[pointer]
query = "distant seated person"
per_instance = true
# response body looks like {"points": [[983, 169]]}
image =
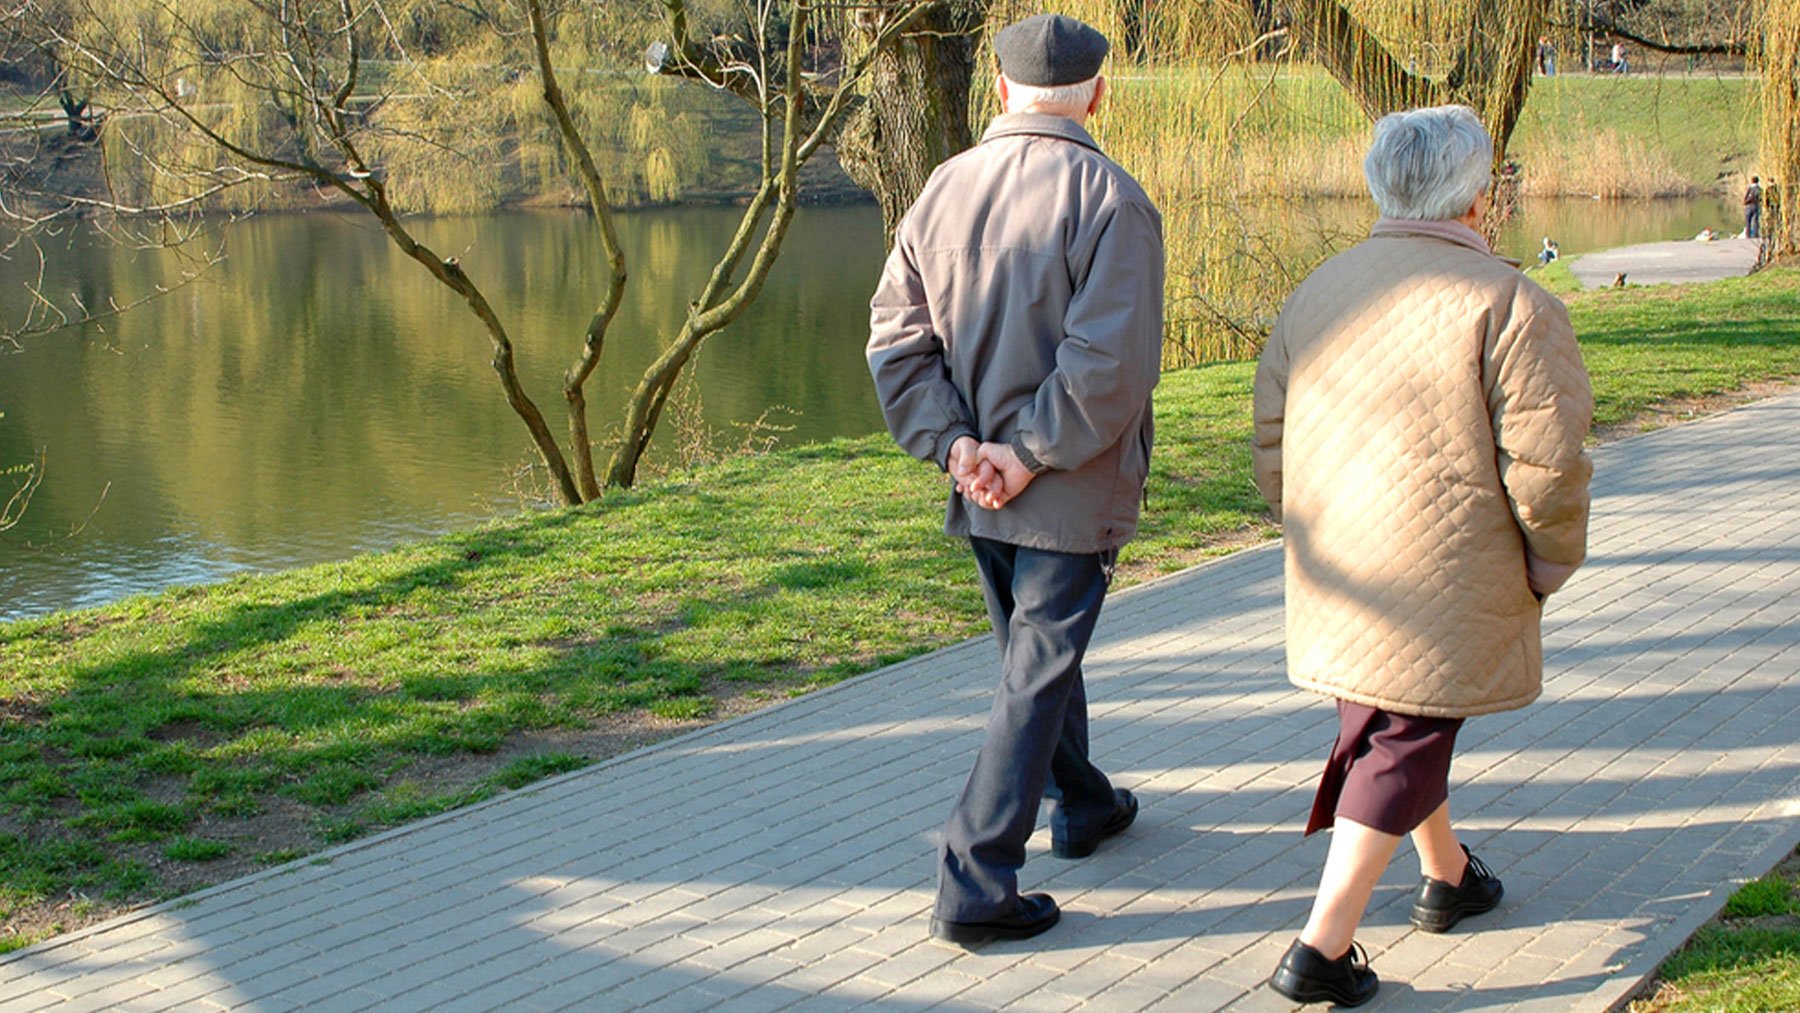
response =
{"points": [[1706, 236], [1550, 252]]}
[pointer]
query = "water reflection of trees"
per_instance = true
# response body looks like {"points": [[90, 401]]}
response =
{"points": [[291, 389]]}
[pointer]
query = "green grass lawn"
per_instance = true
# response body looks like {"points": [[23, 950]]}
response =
{"points": [[1747, 959], [171, 740], [1654, 344]]}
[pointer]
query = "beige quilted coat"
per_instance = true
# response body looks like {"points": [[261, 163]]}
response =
{"points": [[1420, 411]]}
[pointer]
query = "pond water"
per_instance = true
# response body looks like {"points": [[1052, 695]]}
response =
{"points": [[315, 395]]}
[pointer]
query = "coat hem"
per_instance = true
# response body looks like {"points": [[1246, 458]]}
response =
{"points": [[1415, 709], [1039, 541]]}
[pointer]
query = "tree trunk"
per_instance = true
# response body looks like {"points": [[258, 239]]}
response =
{"points": [[1491, 74], [916, 112], [1375, 79], [1134, 42], [1493, 71], [575, 378], [81, 125]]}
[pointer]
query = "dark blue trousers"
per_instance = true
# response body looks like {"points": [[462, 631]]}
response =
{"points": [[1043, 606]]}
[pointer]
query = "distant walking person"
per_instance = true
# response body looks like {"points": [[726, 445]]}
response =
{"points": [[1419, 414], [1546, 56], [1618, 58], [1015, 339], [1753, 205]]}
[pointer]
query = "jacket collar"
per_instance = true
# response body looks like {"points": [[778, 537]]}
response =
{"points": [[1039, 124], [1449, 231]]}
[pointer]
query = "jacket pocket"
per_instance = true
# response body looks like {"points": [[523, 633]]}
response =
{"points": [[1132, 467]]}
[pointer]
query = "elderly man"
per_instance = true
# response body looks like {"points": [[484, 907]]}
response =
{"points": [[1420, 410], [1015, 338]]}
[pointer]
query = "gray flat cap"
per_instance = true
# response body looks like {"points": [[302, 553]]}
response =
{"points": [[1049, 50]]}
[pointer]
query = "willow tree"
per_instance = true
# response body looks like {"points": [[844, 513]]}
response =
{"points": [[337, 96], [1482, 53], [1778, 48]]}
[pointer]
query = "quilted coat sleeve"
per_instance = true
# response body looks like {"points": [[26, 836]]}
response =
{"points": [[1542, 407], [1110, 356], [1269, 406], [924, 410]]}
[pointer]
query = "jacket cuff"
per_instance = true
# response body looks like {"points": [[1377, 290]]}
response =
{"points": [[1544, 576], [949, 440], [1026, 457]]}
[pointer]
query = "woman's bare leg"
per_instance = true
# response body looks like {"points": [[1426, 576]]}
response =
{"points": [[1353, 866], [1440, 853]]}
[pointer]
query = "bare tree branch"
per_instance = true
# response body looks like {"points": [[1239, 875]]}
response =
{"points": [[1610, 25], [594, 340]]}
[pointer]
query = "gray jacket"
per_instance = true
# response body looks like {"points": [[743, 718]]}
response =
{"points": [[1023, 303]]}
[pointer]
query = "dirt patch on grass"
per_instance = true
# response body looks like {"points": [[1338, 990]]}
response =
{"points": [[1687, 409], [1136, 568], [20, 710]]}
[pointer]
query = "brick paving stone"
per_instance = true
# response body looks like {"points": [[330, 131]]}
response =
{"points": [[1045, 1000], [1202, 996], [785, 859], [1011, 985]]}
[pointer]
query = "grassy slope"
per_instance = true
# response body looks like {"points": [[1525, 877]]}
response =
{"points": [[1653, 344], [267, 716], [1703, 126]]}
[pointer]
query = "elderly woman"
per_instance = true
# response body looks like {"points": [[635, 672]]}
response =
{"points": [[1420, 411]]}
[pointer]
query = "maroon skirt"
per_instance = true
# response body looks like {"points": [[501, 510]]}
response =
{"points": [[1387, 771]]}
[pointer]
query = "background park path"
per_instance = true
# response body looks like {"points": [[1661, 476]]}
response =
{"points": [[1672, 262], [784, 859]]}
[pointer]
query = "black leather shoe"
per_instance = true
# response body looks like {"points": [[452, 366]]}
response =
{"points": [[1035, 914], [1122, 817], [1305, 975], [1439, 905]]}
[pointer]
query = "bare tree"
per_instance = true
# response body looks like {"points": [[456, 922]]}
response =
{"points": [[291, 97]]}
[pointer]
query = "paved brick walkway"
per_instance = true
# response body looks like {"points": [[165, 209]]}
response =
{"points": [[784, 859]]}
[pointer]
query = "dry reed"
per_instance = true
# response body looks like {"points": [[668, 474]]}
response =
{"points": [[1604, 164]]}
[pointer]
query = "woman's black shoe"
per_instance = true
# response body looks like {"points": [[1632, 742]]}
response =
{"points": [[1440, 905], [1036, 913], [1305, 975]]}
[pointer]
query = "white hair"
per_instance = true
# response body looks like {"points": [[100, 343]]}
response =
{"points": [[1054, 98], [1429, 164]]}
